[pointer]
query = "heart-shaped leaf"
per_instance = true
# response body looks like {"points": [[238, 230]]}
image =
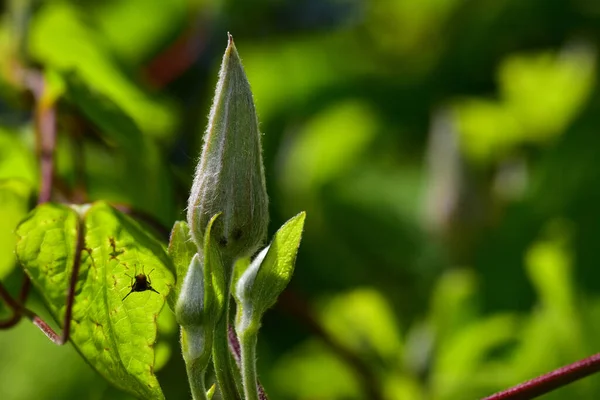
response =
{"points": [[115, 336]]}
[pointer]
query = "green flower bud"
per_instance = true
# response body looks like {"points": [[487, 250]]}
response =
{"points": [[190, 311], [230, 175], [190, 304]]}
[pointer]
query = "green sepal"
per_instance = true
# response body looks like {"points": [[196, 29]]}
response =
{"points": [[214, 272], [268, 274], [181, 250]]}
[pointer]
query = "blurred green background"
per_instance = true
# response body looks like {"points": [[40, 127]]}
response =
{"points": [[446, 153]]}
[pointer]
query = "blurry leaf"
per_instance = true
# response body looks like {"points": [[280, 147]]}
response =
{"points": [[546, 91], [311, 371], [181, 250], [14, 204], [104, 113], [398, 387], [541, 94], [61, 39], [167, 329], [32, 367], [453, 303], [549, 264], [327, 146], [116, 337], [17, 160], [462, 358], [311, 64], [145, 30], [162, 354], [133, 175], [364, 322], [402, 27], [487, 130]]}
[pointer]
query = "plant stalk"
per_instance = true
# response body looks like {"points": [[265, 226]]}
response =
{"points": [[248, 342], [196, 380], [551, 381], [222, 359]]}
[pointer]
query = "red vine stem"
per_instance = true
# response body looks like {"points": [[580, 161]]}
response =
{"points": [[550, 381]]}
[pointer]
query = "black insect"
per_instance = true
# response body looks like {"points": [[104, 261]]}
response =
{"points": [[140, 283]]}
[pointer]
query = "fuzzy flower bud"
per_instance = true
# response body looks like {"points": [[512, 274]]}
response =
{"points": [[194, 318], [230, 175]]}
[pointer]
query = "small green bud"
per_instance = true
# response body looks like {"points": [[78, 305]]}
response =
{"points": [[230, 176], [189, 309], [196, 329]]}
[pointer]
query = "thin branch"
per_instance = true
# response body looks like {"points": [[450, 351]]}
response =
{"points": [[8, 299], [45, 123], [550, 381], [25, 286], [12, 321]]}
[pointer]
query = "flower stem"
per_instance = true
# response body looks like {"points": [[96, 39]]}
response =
{"points": [[196, 380], [248, 345], [222, 360]]}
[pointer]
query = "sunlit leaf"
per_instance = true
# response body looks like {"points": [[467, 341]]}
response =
{"points": [[61, 40], [328, 144], [145, 30], [104, 113], [115, 336], [466, 353], [363, 321], [311, 371], [17, 160], [545, 91]]}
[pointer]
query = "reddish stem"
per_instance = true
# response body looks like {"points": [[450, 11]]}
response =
{"points": [[550, 381], [45, 122]]}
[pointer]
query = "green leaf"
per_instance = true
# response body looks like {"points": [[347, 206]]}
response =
{"points": [[103, 112], [14, 198], [363, 321], [59, 39], [181, 250], [145, 30], [17, 156], [115, 336], [268, 274]]}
